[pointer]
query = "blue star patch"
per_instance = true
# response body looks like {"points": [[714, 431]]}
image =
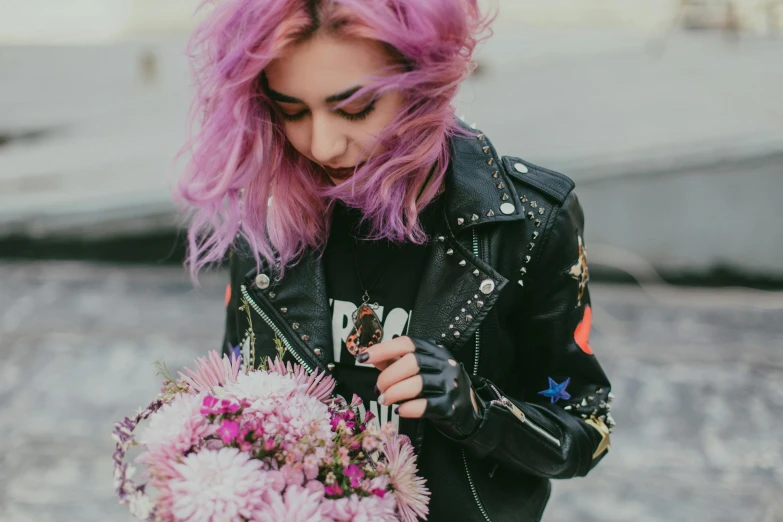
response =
{"points": [[235, 351], [556, 391]]}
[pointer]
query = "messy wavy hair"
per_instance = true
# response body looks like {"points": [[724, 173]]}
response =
{"points": [[244, 179]]}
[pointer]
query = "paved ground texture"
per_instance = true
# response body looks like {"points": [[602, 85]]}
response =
{"points": [[698, 376]]}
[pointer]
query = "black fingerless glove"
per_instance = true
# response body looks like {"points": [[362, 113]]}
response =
{"points": [[447, 388]]}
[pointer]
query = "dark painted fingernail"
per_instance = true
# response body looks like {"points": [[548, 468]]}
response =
{"points": [[397, 410], [363, 357]]}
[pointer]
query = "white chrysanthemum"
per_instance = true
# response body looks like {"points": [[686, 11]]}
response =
{"points": [[218, 486], [177, 426], [259, 386]]}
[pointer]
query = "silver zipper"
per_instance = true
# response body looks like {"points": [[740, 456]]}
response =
{"points": [[473, 489], [519, 414], [475, 372], [478, 330], [275, 329]]}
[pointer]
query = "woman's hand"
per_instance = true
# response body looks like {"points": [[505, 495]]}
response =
{"points": [[426, 381]]}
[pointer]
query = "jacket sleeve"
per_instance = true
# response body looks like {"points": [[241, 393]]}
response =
{"points": [[557, 425]]}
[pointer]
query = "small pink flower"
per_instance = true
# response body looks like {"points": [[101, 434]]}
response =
{"points": [[369, 443], [228, 431], [269, 444], [378, 492], [208, 405], [228, 406], [310, 467], [333, 490], [354, 473], [343, 457]]}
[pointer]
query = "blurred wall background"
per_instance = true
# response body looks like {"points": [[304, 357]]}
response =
{"points": [[667, 114], [83, 21]]}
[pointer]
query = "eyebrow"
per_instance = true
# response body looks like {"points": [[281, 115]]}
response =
{"points": [[284, 98]]}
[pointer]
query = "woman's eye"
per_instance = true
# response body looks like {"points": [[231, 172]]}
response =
{"points": [[293, 117], [355, 116]]}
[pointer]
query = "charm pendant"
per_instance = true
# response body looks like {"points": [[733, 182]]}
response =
{"points": [[367, 329]]}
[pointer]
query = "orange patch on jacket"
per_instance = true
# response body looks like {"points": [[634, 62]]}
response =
{"points": [[228, 294], [582, 333]]}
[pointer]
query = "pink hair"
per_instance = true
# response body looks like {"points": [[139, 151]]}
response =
{"points": [[240, 158]]}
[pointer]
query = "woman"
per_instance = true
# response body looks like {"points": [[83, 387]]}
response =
{"points": [[383, 242]]}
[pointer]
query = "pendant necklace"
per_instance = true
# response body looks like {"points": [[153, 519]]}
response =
{"points": [[367, 329]]}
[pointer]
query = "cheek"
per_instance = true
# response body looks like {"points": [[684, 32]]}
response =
{"points": [[386, 111], [298, 136]]}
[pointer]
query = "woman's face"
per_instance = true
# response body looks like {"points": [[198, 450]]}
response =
{"points": [[306, 83]]}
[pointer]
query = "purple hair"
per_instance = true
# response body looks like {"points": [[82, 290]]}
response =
{"points": [[243, 177]]}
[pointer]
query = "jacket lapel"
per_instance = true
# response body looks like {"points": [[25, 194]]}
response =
{"points": [[459, 288], [300, 305]]}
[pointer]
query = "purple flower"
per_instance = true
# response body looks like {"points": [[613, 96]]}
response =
{"points": [[228, 431]]}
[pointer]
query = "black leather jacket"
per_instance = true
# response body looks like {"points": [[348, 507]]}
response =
{"points": [[505, 291]]}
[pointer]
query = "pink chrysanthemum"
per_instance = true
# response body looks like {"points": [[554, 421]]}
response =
{"points": [[412, 496], [176, 427], [305, 416], [211, 371], [360, 509], [297, 504], [318, 385], [224, 485]]}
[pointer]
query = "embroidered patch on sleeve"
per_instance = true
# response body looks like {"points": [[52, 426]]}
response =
{"points": [[580, 272], [228, 294], [556, 390], [582, 333]]}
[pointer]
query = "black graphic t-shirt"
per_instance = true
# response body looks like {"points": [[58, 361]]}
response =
{"points": [[398, 269]]}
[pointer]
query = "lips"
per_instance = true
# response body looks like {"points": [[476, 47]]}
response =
{"points": [[340, 173]]}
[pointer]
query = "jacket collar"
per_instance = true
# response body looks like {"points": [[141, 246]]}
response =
{"points": [[478, 190]]}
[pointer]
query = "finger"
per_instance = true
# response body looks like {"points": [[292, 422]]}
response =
{"points": [[387, 351], [412, 409], [398, 371], [385, 364], [402, 391]]}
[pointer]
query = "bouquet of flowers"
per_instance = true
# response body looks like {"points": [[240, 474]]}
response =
{"points": [[269, 444]]}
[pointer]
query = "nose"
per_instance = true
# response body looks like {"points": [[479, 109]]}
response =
{"points": [[327, 143]]}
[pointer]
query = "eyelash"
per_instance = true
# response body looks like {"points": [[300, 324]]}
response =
{"points": [[348, 116]]}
